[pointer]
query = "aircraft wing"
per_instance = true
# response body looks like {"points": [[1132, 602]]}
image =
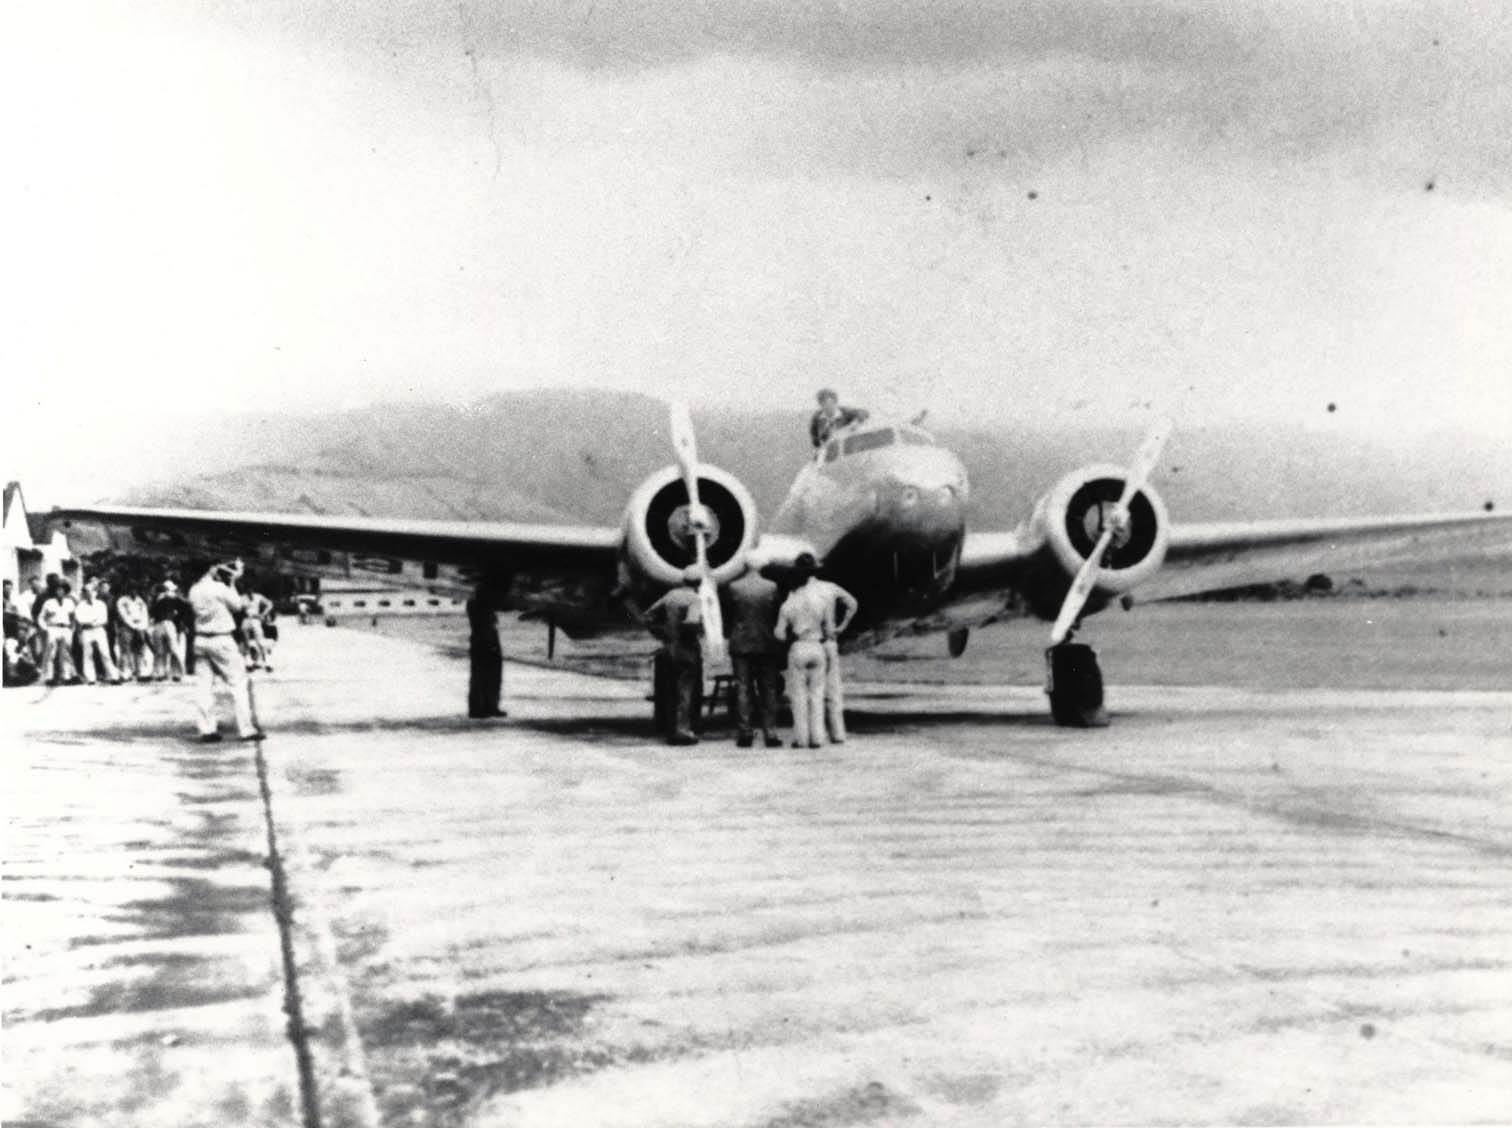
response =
{"points": [[444, 555], [1214, 556]]}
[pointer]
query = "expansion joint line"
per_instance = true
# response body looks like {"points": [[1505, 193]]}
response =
{"points": [[283, 913]]}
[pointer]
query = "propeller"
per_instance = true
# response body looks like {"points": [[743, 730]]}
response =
{"points": [[685, 447], [1116, 524]]}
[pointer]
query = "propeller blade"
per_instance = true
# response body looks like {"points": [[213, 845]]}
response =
{"points": [[1081, 589], [713, 621], [685, 449], [1140, 468], [684, 445]]}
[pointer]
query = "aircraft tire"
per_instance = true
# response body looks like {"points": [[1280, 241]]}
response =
{"points": [[1076, 686]]}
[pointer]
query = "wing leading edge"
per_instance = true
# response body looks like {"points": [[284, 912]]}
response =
{"points": [[444, 554], [1211, 556]]}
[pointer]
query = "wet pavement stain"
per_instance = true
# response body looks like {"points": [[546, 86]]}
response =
{"points": [[433, 1062], [314, 782], [194, 907], [871, 1103]]}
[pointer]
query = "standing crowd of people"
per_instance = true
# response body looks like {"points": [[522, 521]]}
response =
{"points": [[141, 632], [774, 617]]}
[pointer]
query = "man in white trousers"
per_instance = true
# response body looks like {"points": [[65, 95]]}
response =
{"points": [[217, 657], [801, 621]]}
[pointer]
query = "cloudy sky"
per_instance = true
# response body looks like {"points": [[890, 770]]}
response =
{"points": [[1026, 208]]}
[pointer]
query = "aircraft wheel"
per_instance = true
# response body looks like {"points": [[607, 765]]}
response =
{"points": [[1075, 686]]}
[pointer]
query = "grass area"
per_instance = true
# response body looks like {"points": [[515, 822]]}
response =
{"points": [[1436, 644]]}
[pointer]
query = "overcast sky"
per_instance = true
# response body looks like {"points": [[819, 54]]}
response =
{"points": [[987, 208]]}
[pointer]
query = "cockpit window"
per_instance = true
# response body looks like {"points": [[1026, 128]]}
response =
{"points": [[869, 440], [915, 438]]}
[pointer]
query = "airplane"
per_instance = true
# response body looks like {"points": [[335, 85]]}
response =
{"points": [[882, 506]]}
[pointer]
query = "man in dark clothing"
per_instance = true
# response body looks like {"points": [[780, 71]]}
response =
{"points": [[831, 417], [677, 620], [752, 602], [485, 681], [171, 618]]}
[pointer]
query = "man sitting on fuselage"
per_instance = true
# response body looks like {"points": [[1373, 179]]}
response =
{"points": [[832, 417]]}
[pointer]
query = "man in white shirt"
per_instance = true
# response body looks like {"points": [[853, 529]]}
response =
{"points": [[801, 621], [90, 616], [56, 617], [216, 604], [839, 609]]}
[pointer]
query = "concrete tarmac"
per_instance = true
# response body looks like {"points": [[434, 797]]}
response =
{"points": [[1231, 907]]}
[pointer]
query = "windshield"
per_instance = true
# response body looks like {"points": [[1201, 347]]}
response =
{"points": [[869, 440]]}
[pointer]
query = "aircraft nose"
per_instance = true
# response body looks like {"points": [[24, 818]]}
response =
{"points": [[932, 510]]}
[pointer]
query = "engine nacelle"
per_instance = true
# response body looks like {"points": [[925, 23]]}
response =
{"points": [[658, 541], [1070, 519]]}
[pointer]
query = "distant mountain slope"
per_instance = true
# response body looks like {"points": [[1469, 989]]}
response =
{"points": [[564, 456]]}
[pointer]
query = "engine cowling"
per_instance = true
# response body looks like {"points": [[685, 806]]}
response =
{"points": [[658, 543], [1070, 518]]}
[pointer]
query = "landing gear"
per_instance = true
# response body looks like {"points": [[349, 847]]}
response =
{"points": [[1075, 686]]}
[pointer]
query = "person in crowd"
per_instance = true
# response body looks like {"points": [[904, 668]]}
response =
{"points": [[105, 596], [20, 668], [133, 640], [801, 621], [485, 677], [168, 612], [752, 603], [677, 620], [55, 616], [259, 607], [832, 417], [91, 617], [216, 604], [29, 604], [41, 595], [839, 608]]}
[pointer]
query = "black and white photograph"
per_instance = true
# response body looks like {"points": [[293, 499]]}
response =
{"points": [[756, 563]]}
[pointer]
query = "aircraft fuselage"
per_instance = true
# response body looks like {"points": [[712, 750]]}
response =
{"points": [[884, 507]]}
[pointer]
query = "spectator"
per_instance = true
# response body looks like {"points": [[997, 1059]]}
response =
{"points": [[485, 656], [90, 616], [259, 607], [55, 616], [755, 655], [802, 621], [677, 620], [168, 612], [133, 643]]}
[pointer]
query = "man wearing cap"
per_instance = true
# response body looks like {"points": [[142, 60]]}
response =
{"points": [[831, 417], [90, 616], [216, 604], [677, 620], [802, 621], [753, 601], [168, 614]]}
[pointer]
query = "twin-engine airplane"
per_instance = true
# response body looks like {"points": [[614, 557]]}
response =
{"points": [[882, 507]]}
